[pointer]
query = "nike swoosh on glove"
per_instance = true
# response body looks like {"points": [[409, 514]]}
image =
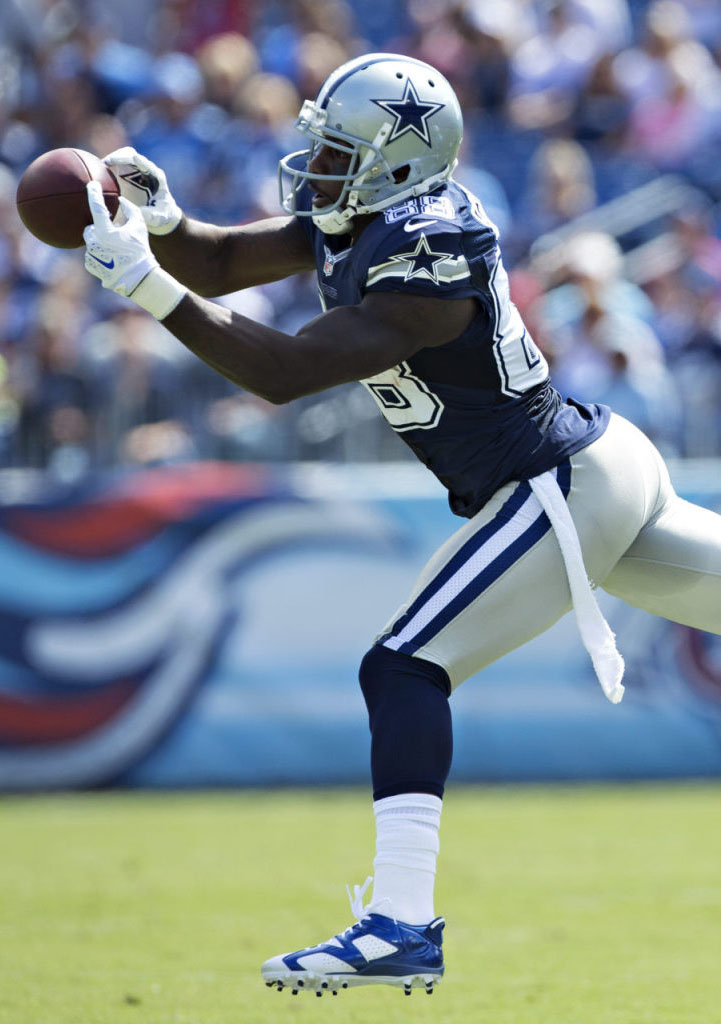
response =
{"points": [[121, 257]]}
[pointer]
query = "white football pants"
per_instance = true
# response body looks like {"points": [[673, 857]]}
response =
{"points": [[500, 580]]}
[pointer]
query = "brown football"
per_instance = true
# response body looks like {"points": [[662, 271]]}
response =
{"points": [[51, 197]]}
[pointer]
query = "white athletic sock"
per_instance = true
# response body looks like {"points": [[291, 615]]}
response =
{"points": [[407, 845]]}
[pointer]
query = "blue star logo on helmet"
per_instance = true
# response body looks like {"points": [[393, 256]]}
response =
{"points": [[411, 114]]}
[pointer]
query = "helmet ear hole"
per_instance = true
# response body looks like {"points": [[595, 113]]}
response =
{"points": [[401, 173]]}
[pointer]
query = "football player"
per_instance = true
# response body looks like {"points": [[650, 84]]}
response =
{"points": [[416, 307]]}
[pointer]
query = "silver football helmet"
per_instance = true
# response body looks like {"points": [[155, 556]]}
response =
{"points": [[399, 121]]}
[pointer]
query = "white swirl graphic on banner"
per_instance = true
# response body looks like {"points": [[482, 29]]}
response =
{"points": [[176, 625]]}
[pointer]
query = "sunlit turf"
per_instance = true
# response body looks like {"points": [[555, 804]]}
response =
{"points": [[589, 905]]}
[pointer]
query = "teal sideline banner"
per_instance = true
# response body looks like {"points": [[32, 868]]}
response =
{"points": [[202, 625]]}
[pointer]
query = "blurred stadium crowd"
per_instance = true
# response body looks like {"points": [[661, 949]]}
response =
{"points": [[593, 136]]}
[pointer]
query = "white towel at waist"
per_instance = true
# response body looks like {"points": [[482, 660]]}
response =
{"points": [[596, 634]]}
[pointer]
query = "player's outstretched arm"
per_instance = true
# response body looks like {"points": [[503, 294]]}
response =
{"points": [[209, 259], [215, 261], [345, 344]]}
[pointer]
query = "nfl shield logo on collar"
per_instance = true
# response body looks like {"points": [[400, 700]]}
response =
{"points": [[331, 258], [329, 261]]}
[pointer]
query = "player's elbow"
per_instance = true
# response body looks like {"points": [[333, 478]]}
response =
{"points": [[294, 370], [280, 392], [276, 398], [284, 394], [295, 380]]}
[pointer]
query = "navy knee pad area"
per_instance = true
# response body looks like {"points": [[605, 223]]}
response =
{"points": [[410, 722]]}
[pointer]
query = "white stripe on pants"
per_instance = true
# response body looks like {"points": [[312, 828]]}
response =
{"points": [[640, 541]]}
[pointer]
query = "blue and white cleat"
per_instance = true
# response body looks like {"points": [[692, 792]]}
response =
{"points": [[376, 950]]}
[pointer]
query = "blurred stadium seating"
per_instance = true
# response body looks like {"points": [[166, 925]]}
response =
{"points": [[594, 116]]}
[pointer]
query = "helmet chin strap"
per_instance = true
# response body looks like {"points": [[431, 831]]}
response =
{"points": [[336, 222], [339, 222]]}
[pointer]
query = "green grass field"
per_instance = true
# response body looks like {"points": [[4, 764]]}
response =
{"points": [[564, 905]]}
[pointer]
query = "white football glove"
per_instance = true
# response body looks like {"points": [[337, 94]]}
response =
{"points": [[144, 184], [121, 257]]}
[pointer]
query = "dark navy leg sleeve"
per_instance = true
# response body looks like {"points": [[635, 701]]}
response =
{"points": [[410, 723]]}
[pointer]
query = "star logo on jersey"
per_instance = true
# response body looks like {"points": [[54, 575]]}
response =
{"points": [[411, 114], [423, 262]]}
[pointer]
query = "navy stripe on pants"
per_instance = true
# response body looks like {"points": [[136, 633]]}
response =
{"points": [[421, 622]]}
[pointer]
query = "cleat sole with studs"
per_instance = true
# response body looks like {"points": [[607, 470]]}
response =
{"points": [[335, 983]]}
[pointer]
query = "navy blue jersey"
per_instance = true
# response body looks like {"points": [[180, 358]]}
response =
{"points": [[480, 410]]}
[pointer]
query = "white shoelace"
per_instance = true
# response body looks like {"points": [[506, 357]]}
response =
{"points": [[596, 634], [355, 899]]}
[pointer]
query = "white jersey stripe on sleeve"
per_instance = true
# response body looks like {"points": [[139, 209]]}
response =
{"points": [[452, 269]]}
